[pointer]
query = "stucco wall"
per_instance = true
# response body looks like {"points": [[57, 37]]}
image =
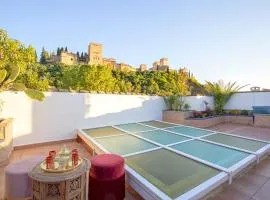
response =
{"points": [[248, 99], [241, 101], [61, 113], [197, 102]]}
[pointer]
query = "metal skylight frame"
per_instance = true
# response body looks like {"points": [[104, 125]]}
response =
{"points": [[202, 189]]}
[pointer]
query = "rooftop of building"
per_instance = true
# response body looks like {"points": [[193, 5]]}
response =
{"points": [[252, 184]]}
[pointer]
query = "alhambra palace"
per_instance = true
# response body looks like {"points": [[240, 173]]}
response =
{"points": [[95, 57]]}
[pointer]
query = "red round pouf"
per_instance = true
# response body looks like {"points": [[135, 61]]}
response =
{"points": [[107, 177]]}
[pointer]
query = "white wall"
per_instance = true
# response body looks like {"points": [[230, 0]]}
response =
{"points": [[197, 102], [246, 100], [61, 113], [241, 101]]}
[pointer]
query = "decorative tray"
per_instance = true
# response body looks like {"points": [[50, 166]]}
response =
{"points": [[58, 169]]}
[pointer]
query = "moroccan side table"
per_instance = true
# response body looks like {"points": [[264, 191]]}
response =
{"points": [[70, 185]]}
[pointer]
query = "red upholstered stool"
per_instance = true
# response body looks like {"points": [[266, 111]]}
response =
{"points": [[107, 177]]}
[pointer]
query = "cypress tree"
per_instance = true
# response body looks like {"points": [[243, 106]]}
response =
{"points": [[58, 52], [44, 56]]}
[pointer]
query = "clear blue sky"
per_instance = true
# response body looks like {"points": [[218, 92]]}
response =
{"points": [[218, 39]]}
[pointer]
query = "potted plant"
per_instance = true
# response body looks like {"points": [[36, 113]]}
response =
{"points": [[222, 93], [177, 110]]}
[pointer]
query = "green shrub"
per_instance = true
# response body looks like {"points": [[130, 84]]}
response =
{"points": [[172, 102], [186, 106]]}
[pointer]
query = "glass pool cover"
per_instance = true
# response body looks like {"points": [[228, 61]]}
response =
{"points": [[133, 127], [171, 173], [104, 131], [221, 156], [189, 131], [162, 137], [233, 141], [122, 144], [175, 158]]}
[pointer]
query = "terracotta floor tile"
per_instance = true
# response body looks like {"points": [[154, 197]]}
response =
{"points": [[263, 193], [250, 183], [231, 193], [263, 168], [255, 182]]}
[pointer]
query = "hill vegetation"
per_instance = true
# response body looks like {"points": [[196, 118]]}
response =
{"points": [[44, 77]]}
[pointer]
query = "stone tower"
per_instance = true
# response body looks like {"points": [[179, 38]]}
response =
{"points": [[164, 62], [95, 52], [143, 67]]}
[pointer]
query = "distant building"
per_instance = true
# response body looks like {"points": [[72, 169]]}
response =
{"points": [[68, 58], [142, 68], [94, 57], [164, 62], [184, 70], [255, 89], [110, 62], [95, 53], [53, 59], [64, 58], [83, 59], [124, 67], [265, 89], [161, 65]]}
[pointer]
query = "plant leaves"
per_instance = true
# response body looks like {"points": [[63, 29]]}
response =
{"points": [[34, 94], [18, 86], [14, 72], [3, 74]]}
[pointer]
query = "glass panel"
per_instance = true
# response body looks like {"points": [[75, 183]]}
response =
{"points": [[242, 143], [104, 131], [133, 127], [189, 131], [158, 124], [162, 137], [218, 155], [171, 173], [124, 144]]}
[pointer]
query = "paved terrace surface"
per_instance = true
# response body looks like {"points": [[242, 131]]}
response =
{"points": [[43, 151], [255, 183], [252, 185]]}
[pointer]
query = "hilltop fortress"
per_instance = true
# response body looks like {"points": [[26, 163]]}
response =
{"points": [[95, 57]]}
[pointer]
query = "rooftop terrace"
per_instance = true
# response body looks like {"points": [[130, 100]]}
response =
{"points": [[252, 184]]}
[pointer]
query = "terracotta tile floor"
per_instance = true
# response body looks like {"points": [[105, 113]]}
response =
{"points": [[43, 151], [253, 185]]}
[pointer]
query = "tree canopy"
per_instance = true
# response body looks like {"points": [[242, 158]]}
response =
{"points": [[15, 59], [43, 75], [13, 52]]}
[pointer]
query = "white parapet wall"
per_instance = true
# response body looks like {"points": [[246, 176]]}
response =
{"points": [[239, 101], [199, 102], [60, 114], [245, 100]]}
